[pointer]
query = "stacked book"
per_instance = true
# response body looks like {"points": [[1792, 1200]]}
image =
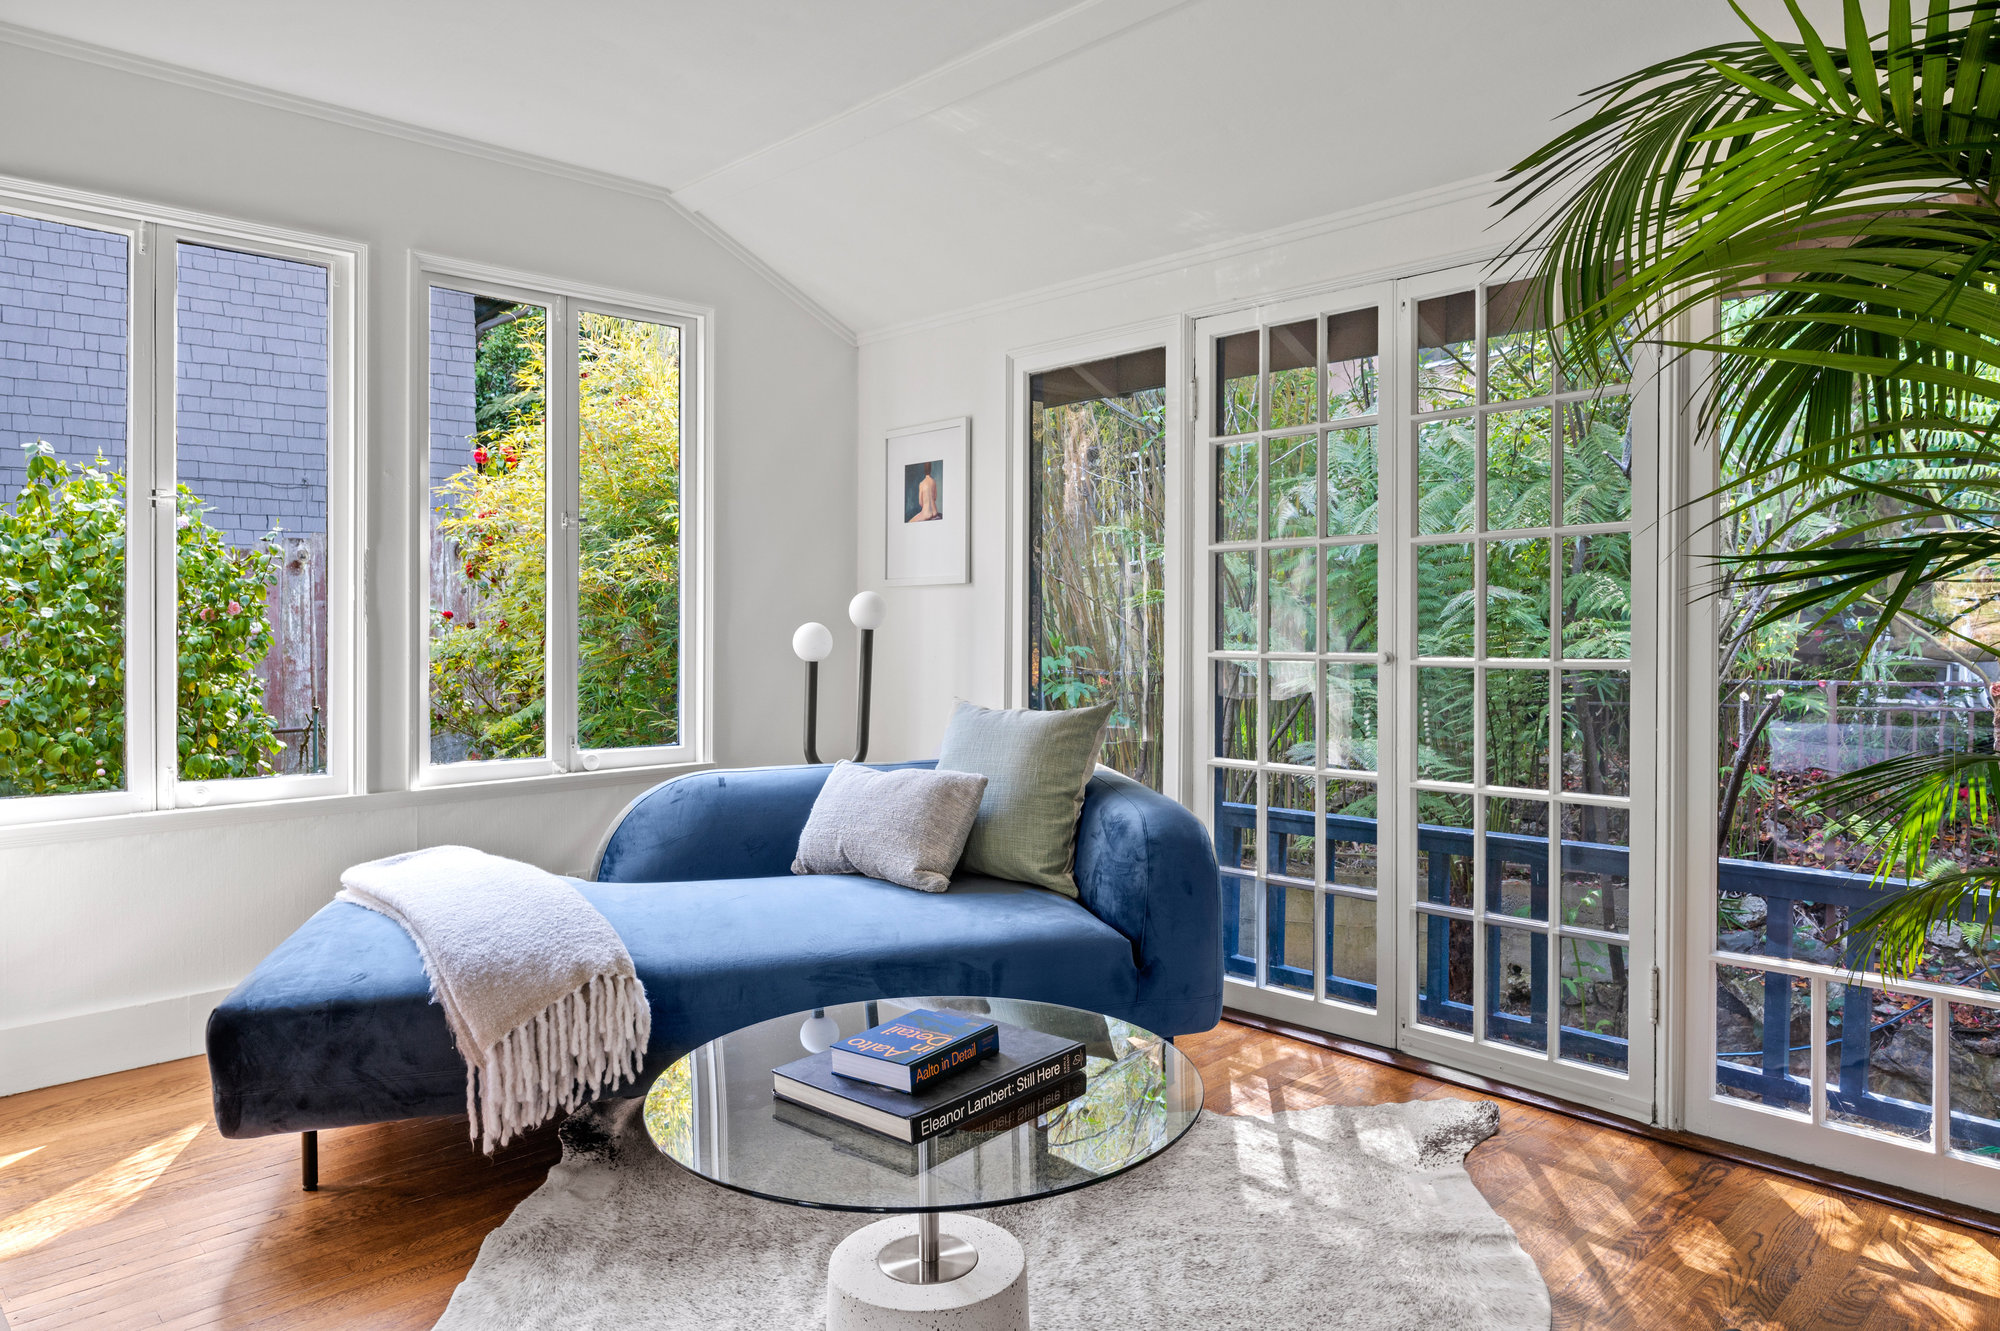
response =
{"points": [[926, 1073]]}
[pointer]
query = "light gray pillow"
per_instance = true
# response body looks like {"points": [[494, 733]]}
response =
{"points": [[1036, 766], [907, 827]]}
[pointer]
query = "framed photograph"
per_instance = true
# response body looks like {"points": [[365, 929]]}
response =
{"points": [[927, 473]]}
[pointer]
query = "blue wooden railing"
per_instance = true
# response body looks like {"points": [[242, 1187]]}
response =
{"points": [[1782, 886]]}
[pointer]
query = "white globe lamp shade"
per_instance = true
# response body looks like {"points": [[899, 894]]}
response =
{"points": [[818, 1032], [813, 642], [867, 610]]}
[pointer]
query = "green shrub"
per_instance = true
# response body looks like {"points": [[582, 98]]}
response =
{"points": [[62, 637]]}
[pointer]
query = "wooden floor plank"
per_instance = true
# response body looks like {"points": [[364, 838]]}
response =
{"points": [[1630, 1234]]}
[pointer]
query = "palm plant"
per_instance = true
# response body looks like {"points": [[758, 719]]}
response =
{"points": [[1847, 185]]}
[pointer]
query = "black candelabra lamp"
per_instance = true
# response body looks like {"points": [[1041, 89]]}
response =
{"points": [[813, 643]]}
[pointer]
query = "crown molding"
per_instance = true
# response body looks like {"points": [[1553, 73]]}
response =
{"points": [[90, 53], [1345, 219]]}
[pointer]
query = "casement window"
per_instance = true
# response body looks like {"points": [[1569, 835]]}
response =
{"points": [[176, 511], [558, 515]]}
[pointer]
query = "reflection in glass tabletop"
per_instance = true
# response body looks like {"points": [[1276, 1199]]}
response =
{"points": [[713, 1112]]}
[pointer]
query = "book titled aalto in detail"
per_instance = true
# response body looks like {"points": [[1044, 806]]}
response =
{"points": [[1026, 1063], [915, 1049]]}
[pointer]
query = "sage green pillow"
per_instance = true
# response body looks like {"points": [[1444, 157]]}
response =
{"points": [[1036, 766]]}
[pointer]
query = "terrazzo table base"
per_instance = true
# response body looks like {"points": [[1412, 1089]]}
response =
{"points": [[992, 1296]]}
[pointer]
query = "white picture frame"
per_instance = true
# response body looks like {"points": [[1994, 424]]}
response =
{"points": [[927, 510]]}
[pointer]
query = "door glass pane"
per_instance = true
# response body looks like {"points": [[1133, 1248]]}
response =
{"points": [[1519, 362], [1097, 550], [1763, 1050], [1596, 887], [488, 555], [1236, 492], [1878, 1062], [1236, 710], [64, 388], [1447, 352], [1447, 470], [1350, 717], [1351, 481], [1518, 478], [1444, 972], [250, 414], [1517, 987], [1446, 612], [1517, 598], [1294, 387], [1353, 341], [1235, 818], [1596, 1001], [1597, 597], [1353, 598], [629, 567], [1350, 949], [1444, 724], [1292, 464], [1290, 946], [1975, 1081], [1597, 460], [1292, 595], [1351, 831], [1517, 858], [1236, 383], [1597, 732], [1517, 728], [1290, 708], [1294, 826], [1236, 601], [1444, 848]]}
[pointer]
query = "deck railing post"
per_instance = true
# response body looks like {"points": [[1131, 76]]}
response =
{"points": [[1777, 1059]]}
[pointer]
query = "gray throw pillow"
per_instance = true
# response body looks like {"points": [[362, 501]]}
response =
{"points": [[907, 827], [1036, 766]]}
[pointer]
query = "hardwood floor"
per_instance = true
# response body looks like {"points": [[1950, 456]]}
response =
{"points": [[120, 1207]]}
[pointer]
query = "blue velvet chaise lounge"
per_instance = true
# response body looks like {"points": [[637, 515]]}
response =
{"points": [[336, 1027]]}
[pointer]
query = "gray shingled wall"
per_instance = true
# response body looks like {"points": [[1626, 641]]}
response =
{"points": [[250, 355], [453, 347], [62, 344], [251, 399]]}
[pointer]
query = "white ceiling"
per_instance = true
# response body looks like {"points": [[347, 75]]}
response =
{"points": [[897, 159]]}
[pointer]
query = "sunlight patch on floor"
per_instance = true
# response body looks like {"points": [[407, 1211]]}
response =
{"points": [[6, 1160], [96, 1198]]}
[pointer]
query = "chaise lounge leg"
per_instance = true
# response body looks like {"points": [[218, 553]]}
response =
{"points": [[309, 1161]]}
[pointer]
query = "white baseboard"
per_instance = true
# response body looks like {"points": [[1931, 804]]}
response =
{"points": [[49, 1053]]}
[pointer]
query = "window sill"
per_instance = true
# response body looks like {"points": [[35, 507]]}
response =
{"points": [[330, 806]]}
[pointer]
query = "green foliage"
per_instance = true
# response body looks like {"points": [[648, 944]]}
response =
{"points": [[1099, 551], [1850, 183], [62, 639], [488, 668]]}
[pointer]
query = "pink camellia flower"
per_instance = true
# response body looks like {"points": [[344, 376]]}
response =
{"points": [[235, 607]]}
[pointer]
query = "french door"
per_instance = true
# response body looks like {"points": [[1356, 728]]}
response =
{"points": [[1428, 753]]}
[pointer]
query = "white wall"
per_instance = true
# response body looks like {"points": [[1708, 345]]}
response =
{"points": [[941, 643], [116, 937]]}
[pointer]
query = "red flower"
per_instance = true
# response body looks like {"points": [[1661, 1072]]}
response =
{"points": [[479, 456], [503, 623], [447, 614]]}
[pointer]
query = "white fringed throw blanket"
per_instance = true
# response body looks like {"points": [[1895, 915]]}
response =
{"points": [[537, 987]]}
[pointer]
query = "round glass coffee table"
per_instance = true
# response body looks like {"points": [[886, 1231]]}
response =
{"points": [[713, 1112]]}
